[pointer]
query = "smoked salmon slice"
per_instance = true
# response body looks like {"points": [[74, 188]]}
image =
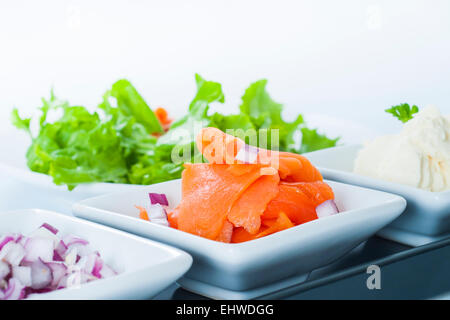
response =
{"points": [[172, 218], [316, 191], [229, 200], [282, 222], [294, 203], [247, 210], [226, 233], [208, 194], [221, 148]]}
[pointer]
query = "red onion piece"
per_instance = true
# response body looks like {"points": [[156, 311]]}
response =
{"points": [[247, 154], [4, 270], [43, 262], [71, 257], [42, 232], [71, 240], [87, 263], [157, 214], [59, 270], [14, 291], [57, 256], [19, 238], [30, 290], [15, 253], [97, 267], [41, 274], [50, 228], [74, 280], [23, 274], [38, 247], [327, 208], [158, 198], [107, 271], [5, 241], [61, 248]]}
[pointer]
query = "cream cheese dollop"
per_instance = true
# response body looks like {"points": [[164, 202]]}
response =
{"points": [[419, 156]]}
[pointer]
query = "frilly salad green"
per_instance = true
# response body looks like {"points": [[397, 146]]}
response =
{"points": [[123, 141]]}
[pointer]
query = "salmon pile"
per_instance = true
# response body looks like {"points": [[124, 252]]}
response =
{"points": [[230, 201]]}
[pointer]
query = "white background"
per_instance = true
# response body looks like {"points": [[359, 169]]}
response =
{"points": [[339, 62]]}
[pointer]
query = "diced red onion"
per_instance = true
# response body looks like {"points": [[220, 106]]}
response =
{"points": [[42, 232], [247, 154], [57, 256], [23, 274], [4, 270], [50, 228], [62, 283], [79, 244], [41, 274], [327, 208], [87, 263], [74, 280], [82, 249], [59, 270], [61, 248], [107, 271], [15, 254], [71, 257], [14, 291], [43, 262], [38, 247], [158, 198], [87, 277], [19, 238], [30, 290], [157, 214], [97, 267], [5, 241], [71, 240]]}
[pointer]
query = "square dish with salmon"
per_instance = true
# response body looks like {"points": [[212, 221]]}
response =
{"points": [[252, 228], [244, 193]]}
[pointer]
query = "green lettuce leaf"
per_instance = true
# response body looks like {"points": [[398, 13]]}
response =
{"points": [[81, 146], [184, 131], [20, 123], [265, 114], [117, 142], [312, 141], [130, 104], [403, 112]]}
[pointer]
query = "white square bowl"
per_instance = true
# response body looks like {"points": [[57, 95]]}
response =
{"points": [[427, 215], [145, 267], [250, 269]]}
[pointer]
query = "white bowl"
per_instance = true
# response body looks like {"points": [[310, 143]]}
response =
{"points": [[223, 270], [427, 216], [145, 267]]}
